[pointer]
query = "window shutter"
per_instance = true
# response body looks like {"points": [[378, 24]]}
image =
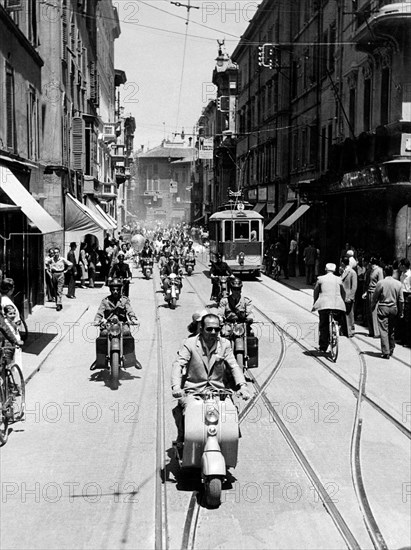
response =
{"points": [[64, 34], [77, 148], [92, 81], [10, 107]]}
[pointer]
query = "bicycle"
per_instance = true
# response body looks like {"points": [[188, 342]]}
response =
{"points": [[333, 335], [12, 396]]}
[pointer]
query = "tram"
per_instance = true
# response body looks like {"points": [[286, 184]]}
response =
{"points": [[238, 235]]}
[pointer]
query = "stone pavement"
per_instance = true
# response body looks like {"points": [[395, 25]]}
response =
{"points": [[48, 327]]}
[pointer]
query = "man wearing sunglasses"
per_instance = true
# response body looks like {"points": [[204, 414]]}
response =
{"points": [[204, 361]]}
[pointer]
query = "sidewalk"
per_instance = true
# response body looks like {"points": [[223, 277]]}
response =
{"points": [[47, 327]]}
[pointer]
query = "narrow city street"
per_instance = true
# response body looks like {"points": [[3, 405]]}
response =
{"points": [[90, 461]]}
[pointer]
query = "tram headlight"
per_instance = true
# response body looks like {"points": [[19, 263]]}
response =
{"points": [[212, 430]]}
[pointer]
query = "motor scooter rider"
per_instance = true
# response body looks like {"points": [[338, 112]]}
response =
{"points": [[147, 252], [204, 361], [172, 266], [116, 304], [121, 270], [218, 268], [236, 307]]}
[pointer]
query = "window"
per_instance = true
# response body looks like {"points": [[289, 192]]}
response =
{"points": [[10, 109], [32, 125], [352, 110], [228, 226], [385, 95], [242, 231], [367, 105], [255, 227]]}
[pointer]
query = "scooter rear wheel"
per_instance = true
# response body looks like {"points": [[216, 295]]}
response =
{"points": [[173, 303], [213, 491], [115, 368]]}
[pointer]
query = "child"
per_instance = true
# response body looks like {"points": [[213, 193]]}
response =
{"points": [[12, 352]]}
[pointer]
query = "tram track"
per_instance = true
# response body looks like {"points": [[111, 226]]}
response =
{"points": [[312, 313], [342, 527]]}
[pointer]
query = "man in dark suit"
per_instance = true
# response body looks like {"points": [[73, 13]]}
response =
{"points": [[349, 280], [389, 296], [72, 272]]}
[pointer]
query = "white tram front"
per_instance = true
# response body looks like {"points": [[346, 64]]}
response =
{"points": [[239, 236]]}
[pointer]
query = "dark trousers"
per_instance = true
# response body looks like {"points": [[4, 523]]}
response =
{"points": [[292, 263], [310, 274], [49, 287], [324, 329], [348, 321], [71, 284], [387, 317], [372, 320]]}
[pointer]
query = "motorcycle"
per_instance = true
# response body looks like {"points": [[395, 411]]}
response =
{"points": [[189, 263], [147, 267], [172, 293], [222, 287], [243, 342], [114, 350], [210, 439]]}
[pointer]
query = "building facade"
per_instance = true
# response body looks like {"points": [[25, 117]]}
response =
{"points": [[324, 122], [165, 178]]}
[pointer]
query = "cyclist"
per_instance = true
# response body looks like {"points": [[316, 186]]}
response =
{"points": [[329, 296]]}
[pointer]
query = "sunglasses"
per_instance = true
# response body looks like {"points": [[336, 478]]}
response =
{"points": [[213, 329]]}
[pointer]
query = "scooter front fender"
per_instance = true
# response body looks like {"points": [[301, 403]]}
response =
{"points": [[213, 464]]}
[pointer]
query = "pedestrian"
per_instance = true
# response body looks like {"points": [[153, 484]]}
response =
{"points": [[92, 265], [49, 284], [310, 256], [349, 279], [58, 267], [373, 275], [389, 297], [6, 293], [83, 264], [72, 272], [352, 260], [292, 256], [12, 351], [405, 277], [301, 264]]}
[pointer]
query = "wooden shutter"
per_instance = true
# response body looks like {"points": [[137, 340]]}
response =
{"points": [[64, 33], [77, 143], [10, 107]]}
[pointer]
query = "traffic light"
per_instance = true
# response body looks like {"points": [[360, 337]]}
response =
{"points": [[266, 54]]}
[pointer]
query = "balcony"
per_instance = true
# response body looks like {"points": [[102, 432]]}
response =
{"points": [[389, 21], [107, 192]]}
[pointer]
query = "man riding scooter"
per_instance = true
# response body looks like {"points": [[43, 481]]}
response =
{"points": [[121, 270], [201, 363], [236, 307], [218, 269], [120, 306]]}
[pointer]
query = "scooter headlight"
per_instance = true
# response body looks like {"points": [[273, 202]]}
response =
{"points": [[212, 415], [115, 330], [212, 430], [238, 330]]}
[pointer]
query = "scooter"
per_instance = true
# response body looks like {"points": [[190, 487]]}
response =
{"points": [[114, 350], [223, 286], [211, 436], [172, 294], [147, 267], [189, 263]]}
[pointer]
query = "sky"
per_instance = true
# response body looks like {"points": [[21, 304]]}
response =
{"points": [[159, 60]]}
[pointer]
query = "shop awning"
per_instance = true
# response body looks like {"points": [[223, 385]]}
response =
{"points": [[99, 212], [259, 206], [295, 216], [281, 214], [80, 218], [29, 206]]}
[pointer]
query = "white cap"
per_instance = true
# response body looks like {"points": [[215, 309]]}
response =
{"points": [[198, 315], [330, 267], [350, 253]]}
